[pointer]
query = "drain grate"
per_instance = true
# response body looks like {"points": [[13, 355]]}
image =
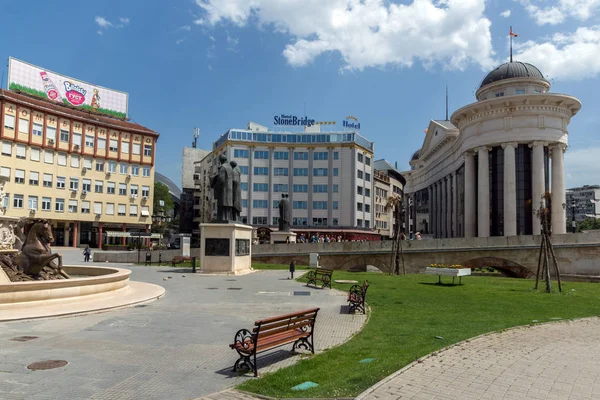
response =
{"points": [[231, 280], [24, 338], [49, 364], [141, 306], [301, 293], [211, 288], [234, 288]]}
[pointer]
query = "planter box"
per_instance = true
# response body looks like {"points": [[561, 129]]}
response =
{"points": [[448, 271]]}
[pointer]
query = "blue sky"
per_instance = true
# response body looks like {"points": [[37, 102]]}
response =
{"points": [[217, 64]]}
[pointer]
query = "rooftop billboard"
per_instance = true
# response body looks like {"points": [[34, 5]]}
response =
{"points": [[36, 81]]}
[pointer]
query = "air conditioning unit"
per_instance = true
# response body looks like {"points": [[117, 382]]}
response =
{"points": [[98, 215], [128, 176], [76, 147], [145, 198], [108, 174], [73, 190], [84, 193], [32, 210], [84, 169], [133, 196], [50, 141]]}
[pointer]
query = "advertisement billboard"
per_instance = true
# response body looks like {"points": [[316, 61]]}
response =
{"points": [[40, 82]]}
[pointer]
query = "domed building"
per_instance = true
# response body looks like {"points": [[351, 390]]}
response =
{"points": [[484, 172]]}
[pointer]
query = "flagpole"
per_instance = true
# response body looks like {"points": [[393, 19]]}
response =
{"points": [[511, 60]]}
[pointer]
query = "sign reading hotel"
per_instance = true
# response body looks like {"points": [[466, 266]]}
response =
{"points": [[36, 81], [351, 122]]}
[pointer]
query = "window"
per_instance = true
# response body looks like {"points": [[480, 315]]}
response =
{"points": [[34, 154], [62, 159], [281, 155], [6, 201], [32, 203], [300, 205], [239, 153], [281, 171], [18, 201], [136, 149], [367, 223], [37, 129], [359, 174], [499, 94], [89, 141], [261, 171], [74, 161], [145, 211], [300, 171], [319, 205], [319, 188], [367, 160], [261, 154], [367, 177], [21, 151], [46, 204], [73, 183], [335, 172], [100, 166], [243, 169], [135, 170], [110, 187], [320, 155], [319, 221], [301, 188], [133, 210], [300, 155], [61, 182], [279, 187], [335, 188], [59, 205], [260, 187], [112, 167], [367, 192], [19, 176], [76, 140], [299, 221], [244, 203], [123, 169], [147, 150], [359, 206], [359, 190], [367, 208], [125, 147], [101, 144], [113, 145], [64, 136], [6, 149], [537, 90], [85, 207], [360, 157], [335, 222], [259, 220], [23, 126], [122, 210], [146, 171], [87, 163], [97, 208], [9, 121], [72, 206], [86, 185], [110, 208], [34, 178], [276, 205], [146, 191], [359, 223], [5, 172], [319, 171], [122, 189], [334, 205], [133, 190], [260, 203], [244, 185], [336, 155]]}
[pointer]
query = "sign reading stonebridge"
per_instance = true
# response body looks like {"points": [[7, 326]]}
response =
{"points": [[36, 81], [292, 120]]}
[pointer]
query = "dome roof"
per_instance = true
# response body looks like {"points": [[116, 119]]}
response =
{"points": [[513, 69], [416, 155]]}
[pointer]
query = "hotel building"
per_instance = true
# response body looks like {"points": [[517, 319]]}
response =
{"points": [[92, 176], [328, 176], [484, 172]]}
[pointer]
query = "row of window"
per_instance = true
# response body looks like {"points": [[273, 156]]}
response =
{"points": [[295, 138], [366, 191], [381, 193], [299, 205], [296, 221], [360, 223], [364, 159], [284, 155], [360, 175], [74, 206], [363, 207], [283, 188], [76, 161], [65, 135], [264, 171], [381, 224]]}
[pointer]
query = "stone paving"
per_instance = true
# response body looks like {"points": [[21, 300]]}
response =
{"points": [[548, 361], [175, 347]]}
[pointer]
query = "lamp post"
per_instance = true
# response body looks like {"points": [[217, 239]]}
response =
{"points": [[573, 223]]}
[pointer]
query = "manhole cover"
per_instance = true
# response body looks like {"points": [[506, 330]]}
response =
{"points": [[231, 280], [142, 306], [211, 288], [234, 288], [301, 293], [24, 338], [50, 364]]}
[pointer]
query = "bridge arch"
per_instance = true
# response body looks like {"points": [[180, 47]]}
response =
{"points": [[359, 264], [508, 267]]}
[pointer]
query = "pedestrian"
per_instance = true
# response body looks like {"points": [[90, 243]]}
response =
{"points": [[292, 268], [87, 252]]}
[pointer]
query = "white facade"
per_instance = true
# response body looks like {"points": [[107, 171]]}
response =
{"points": [[484, 172], [583, 202], [203, 210], [327, 175]]}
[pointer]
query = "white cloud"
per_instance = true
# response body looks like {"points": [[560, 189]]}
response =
{"points": [[582, 167], [124, 20], [103, 23], [99, 32], [368, 33], [560, 11], [505, 13], [186, 28], [180, 41], [565, 55]]}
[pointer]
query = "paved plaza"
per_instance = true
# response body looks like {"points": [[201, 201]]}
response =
{"points": [[172, 348]]}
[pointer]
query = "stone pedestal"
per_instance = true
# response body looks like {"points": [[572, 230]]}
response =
{"points": [[283, 237], [7, 240], [226, 248]]}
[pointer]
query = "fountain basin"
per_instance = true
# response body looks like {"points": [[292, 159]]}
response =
{"points": [[100, 289]]}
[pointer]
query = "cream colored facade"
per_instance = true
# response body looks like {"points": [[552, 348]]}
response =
{"points": [[386, 186], [85, 173]]}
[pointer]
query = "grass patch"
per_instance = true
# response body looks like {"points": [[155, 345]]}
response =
{"points": [[408, 312]]}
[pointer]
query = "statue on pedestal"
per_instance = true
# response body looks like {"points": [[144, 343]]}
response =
{"points": [[222, 185], [285, 213], [237, 191]]}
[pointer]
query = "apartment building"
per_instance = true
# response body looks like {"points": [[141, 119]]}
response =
{"points": [[203, 196], [91, 176], [583, 203], [187, 224], [388, 182]]}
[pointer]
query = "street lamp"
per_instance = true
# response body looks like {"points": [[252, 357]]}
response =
{"points": [[573, 223]]}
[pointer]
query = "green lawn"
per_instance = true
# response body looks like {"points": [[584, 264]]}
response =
{"points": [[258, 266], [408, 312]]}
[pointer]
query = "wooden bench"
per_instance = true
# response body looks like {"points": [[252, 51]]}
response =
{"points": [[179, 259], [320, 275], [273, 332], [357, 296]]}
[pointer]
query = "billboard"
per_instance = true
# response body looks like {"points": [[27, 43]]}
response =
{"points": [[36, 81]]}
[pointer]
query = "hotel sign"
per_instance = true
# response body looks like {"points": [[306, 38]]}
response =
{"points": [[351, 122], [292, 120]]}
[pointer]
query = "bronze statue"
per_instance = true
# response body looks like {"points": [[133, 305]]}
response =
{"points": [[237, 191], [284, 213], [36, 258], [222, 185]]}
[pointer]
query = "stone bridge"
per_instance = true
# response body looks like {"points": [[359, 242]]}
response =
{"points": [[578, 254]]}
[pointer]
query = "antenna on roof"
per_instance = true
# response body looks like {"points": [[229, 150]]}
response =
{"points": [[446, 102], [396, 165], [196, 134]]}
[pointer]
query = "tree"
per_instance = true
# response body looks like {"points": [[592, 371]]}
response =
{"points": [[161, 192], [395, 203], [588, 224]]}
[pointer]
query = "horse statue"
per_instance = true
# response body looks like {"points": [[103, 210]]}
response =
{"points": [[36, 258]]}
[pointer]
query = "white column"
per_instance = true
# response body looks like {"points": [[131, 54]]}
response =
{"points": [[483, 194], [439, 210], [454, 220], [430, 219], [436, 209], [538, 186], [444, 209], [470, 185], [559, 215], [510, 190], [449, 211]]}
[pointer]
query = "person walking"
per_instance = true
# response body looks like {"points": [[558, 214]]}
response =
{"points": [[87, 252]]}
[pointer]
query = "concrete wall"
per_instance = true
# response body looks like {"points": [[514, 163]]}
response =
{"points": [[130, 257]]}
